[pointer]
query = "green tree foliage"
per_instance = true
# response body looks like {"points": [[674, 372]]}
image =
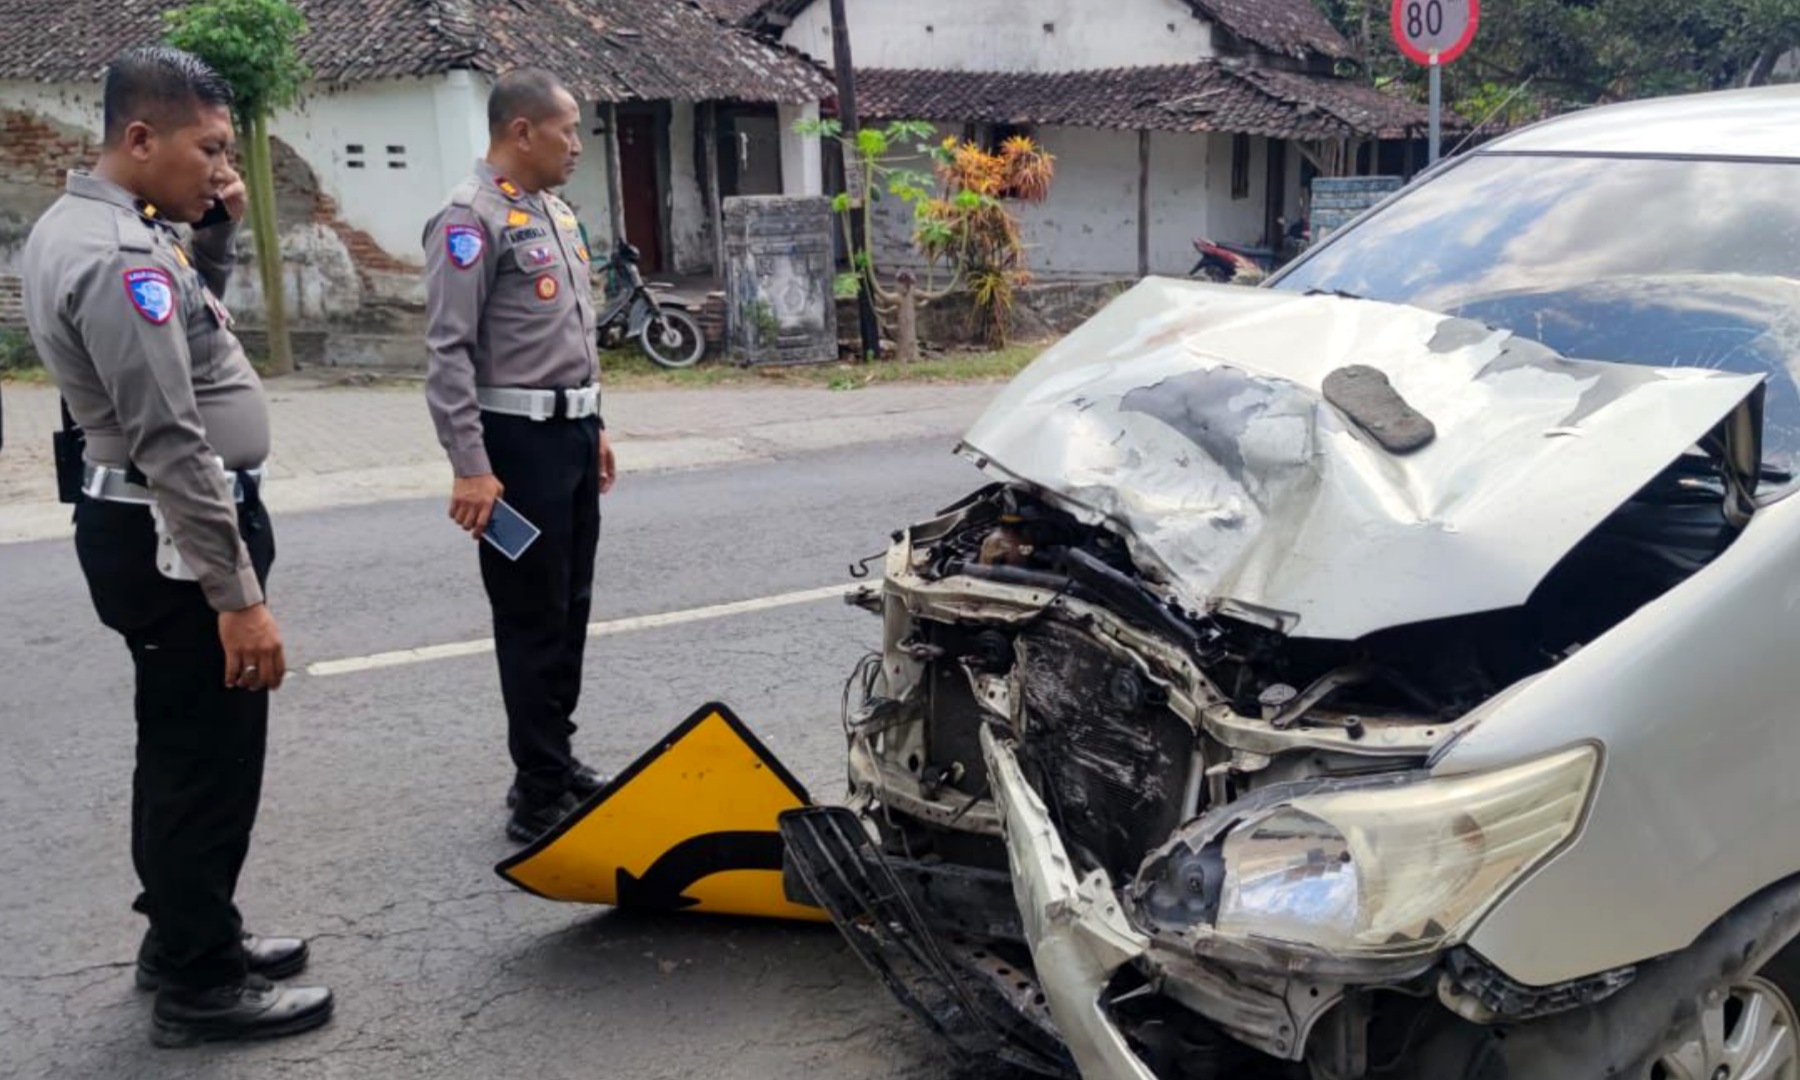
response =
{"points": [[1584, 52], [252, 44]]}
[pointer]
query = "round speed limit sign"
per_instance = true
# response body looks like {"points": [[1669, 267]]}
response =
{"points": [[1435, 31]]}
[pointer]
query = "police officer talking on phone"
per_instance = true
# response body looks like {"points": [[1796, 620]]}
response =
{"points": [[513, 389], [169, 527]]}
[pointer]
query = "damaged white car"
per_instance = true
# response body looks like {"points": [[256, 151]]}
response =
{"points": [[1392, 672]]}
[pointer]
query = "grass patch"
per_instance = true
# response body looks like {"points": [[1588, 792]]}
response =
{"points": [[19, 360], [631, 370]]}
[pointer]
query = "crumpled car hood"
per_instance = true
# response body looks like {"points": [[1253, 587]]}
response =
{"points": [[1192, 418]]}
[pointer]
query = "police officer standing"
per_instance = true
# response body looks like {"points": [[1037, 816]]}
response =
{"points": [[169, 529], [513, 389]]}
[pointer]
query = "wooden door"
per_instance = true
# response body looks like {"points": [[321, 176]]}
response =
{"points": [[641, 192]]}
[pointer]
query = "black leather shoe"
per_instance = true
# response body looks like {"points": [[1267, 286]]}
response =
{"points": [[531, 820], [583, 782], [253, 1009], [270, 957]]}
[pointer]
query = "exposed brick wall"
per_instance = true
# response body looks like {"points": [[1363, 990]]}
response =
{"points": [[36, 151], [12, 301], [364, 251], [299, 200]]}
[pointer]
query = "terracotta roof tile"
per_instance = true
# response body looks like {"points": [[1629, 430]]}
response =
{"points": [[1193, 97], [607, 50], [1288, 27], [733, 11]]}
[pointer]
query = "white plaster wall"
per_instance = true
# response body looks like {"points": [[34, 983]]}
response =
{"points": [[1180, 200], [1237, 221], [802, 156], [586, 191], [390, 204], [460, 100], [1088, 225], [77, 105], [319, 278], [1009, 35], [438, 121], [690, 229]]}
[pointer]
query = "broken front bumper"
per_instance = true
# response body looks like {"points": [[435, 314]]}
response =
{"points": [[1077, 931], [910, 923], [983, 1009], [945, 974]]}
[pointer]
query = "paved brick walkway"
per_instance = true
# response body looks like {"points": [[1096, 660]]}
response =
{"points": [[338, 446]]}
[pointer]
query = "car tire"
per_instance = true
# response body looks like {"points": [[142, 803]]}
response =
{"points": [[1747, 1031], [1458, 1050]]}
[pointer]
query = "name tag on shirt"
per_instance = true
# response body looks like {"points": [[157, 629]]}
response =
{"points": [[527, 234]]}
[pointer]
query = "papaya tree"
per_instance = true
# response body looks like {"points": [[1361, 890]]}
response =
{"points": [[959, 194]]}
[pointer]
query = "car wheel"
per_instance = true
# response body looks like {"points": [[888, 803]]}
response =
{"points": [[1749, 1032]]}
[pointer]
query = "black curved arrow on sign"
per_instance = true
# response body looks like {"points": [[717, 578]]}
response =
{"points": [[695, 858]]}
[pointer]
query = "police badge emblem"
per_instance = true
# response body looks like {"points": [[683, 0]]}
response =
{"points": [[152, 292], [465, 244]]}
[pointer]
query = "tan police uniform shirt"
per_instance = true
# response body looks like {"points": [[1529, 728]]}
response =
{"points": [[509, 304], [142, 350]]}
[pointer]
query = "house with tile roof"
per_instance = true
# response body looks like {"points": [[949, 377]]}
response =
{"points": [[1169, 119], [679, 111]]}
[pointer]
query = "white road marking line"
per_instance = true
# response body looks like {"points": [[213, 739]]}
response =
{"points": [[404, 657]]}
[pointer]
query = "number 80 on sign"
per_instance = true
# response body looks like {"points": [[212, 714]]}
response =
{"points": [[1435, 31]]}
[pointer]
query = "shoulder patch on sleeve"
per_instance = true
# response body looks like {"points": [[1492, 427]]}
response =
{"points": [[464, 243], [152, 292]]}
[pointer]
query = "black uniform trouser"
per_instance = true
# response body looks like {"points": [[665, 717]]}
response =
{"points": [[551, 472], [200, 746]]}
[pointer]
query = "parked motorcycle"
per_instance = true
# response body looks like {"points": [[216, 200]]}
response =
{"points": [[662, 326], [1224, 262]]}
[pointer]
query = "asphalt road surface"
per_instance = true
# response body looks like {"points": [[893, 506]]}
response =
{"points": [[382, 817]]}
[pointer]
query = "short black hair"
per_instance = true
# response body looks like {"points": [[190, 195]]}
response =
{"points": [[159, 84], [523, 93]]}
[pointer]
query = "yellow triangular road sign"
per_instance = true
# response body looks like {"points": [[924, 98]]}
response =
{"points": [[691, 824]]}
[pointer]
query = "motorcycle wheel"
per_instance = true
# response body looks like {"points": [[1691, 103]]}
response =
{"points": [[672, 339]]}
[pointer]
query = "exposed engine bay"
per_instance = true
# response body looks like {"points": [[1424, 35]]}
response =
{"points": [[1089, 720]]}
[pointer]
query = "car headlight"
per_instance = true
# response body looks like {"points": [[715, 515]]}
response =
{"points": [[1402, 870]]}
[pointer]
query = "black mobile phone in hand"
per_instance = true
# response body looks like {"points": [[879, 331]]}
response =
{"points": [[218, 215], [509, 532]]}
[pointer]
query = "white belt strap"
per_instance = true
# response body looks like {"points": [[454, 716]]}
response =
{"points": [[105, 483], [540, 404]]}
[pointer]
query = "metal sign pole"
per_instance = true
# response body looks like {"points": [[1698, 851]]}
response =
{"points": [[1437, 107]]}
